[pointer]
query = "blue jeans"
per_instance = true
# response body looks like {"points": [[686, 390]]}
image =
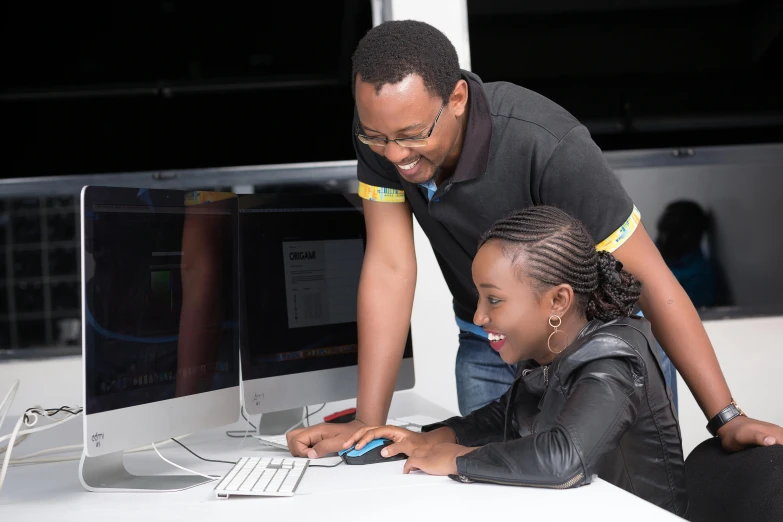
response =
{"points": [[669, 371], [482, 376]]}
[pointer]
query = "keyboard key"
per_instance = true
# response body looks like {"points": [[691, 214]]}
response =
{"points": [[263, 476], [231, 474], [248, 484], [263, 482], [238, 480]]}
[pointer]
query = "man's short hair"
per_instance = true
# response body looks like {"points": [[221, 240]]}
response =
{"points": [[393, 50]]}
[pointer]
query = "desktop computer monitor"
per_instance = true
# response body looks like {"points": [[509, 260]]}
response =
{"points": [[300, 261], [160, 324]]}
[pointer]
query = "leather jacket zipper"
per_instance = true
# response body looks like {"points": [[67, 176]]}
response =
{"points": [[565, 485]]}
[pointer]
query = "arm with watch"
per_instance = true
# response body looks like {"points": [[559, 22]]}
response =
{"points": [[729, 413], [677, 327]]}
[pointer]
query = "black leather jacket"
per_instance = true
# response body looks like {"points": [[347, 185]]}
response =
{"points": [[600, 408]]}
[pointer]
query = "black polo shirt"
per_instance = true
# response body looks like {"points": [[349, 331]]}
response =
{"points": [[520, 149]]}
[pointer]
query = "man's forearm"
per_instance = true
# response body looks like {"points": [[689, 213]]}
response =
{"points": [[385, 302], [677, 326]]}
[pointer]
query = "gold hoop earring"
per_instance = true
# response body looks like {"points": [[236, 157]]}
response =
{"points": [[555, 322]]}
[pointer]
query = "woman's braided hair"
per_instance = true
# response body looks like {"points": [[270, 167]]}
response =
{"points": [[558, 249]]}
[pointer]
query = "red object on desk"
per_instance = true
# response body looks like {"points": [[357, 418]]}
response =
{"points": [[334, 416]]}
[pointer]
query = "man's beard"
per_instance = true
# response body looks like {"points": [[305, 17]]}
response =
{"points": [[435, 176]]}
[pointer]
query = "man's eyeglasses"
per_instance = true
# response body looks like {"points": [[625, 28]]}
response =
{"points": [[418, 141]]}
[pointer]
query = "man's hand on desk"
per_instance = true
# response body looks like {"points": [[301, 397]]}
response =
{"points": [[321, 439], [405, 441]]}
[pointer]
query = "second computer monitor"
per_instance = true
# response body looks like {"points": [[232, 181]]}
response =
{"points": [[301, 258]]}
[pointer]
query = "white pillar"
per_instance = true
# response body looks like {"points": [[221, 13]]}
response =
{"points": [[434, 329], [448, 16]]}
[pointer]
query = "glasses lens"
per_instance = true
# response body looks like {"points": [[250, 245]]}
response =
{"points": [[412, 144], [374, 142]]}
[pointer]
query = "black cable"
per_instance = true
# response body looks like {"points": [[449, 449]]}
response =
{"points": [[242, 411], [51, 412], [324, 466], [308, 414], [199, 456]]}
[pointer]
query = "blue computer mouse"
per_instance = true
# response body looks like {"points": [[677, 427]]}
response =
{"points": [[370, 453]]}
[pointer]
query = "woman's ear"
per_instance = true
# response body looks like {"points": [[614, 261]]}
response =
{"points": [[560, 299]]}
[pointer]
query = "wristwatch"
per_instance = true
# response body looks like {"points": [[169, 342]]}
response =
{"points": [[725, 415]]}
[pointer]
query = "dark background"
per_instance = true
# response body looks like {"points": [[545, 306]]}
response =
{"points": [[90, 87]]}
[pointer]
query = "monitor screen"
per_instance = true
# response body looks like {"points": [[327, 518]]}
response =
{"points": [[301, 258], [161, 295]]}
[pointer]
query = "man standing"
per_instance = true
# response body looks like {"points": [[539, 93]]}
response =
{"points": [[435, 142]]}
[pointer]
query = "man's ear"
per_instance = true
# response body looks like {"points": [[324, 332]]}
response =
{"points": [[560, 299], [459, 98]]}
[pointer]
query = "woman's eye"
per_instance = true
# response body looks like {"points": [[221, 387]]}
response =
{"points": [[493, 301]]}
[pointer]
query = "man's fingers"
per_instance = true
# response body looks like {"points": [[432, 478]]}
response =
{"points": [[752, 437], [300, 441], [326, 446], [763, 439], [357, 435]]}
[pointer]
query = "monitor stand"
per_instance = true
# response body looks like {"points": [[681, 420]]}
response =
{"points": [[278, 422], [107, 473]]}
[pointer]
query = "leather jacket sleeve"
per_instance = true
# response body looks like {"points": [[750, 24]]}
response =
{"points": [[480, 427], [602, 403]]}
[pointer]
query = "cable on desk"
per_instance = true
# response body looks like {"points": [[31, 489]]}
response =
{"points": [[200, 457], [242, 411], [324, 465], [164, 459]]}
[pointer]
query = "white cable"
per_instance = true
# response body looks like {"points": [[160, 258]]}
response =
{"points": [[24, 459], [211, 477], [245, 416], [5, 406], [61, 449], [20, 439], [40, 428], [15, 463], [33, 415]]}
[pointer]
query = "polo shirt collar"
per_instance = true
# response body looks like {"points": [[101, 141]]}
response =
{"points": [[474, 157]]}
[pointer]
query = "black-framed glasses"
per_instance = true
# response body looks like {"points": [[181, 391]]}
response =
{"points": [[419, 141]]}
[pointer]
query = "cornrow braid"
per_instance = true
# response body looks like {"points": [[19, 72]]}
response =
{"points": [[558, 249]]}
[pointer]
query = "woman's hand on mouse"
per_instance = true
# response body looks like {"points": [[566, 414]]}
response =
{"points": [[405, 441], [436, 459]]}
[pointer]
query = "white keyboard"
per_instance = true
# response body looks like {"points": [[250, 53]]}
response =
{"points": [[263, 477], [412, 423]]}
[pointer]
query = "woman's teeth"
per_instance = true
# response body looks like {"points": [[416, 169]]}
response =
{"points": [[496, 337]]}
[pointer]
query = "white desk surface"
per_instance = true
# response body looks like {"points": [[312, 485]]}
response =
{"points": [[378, 492]]}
